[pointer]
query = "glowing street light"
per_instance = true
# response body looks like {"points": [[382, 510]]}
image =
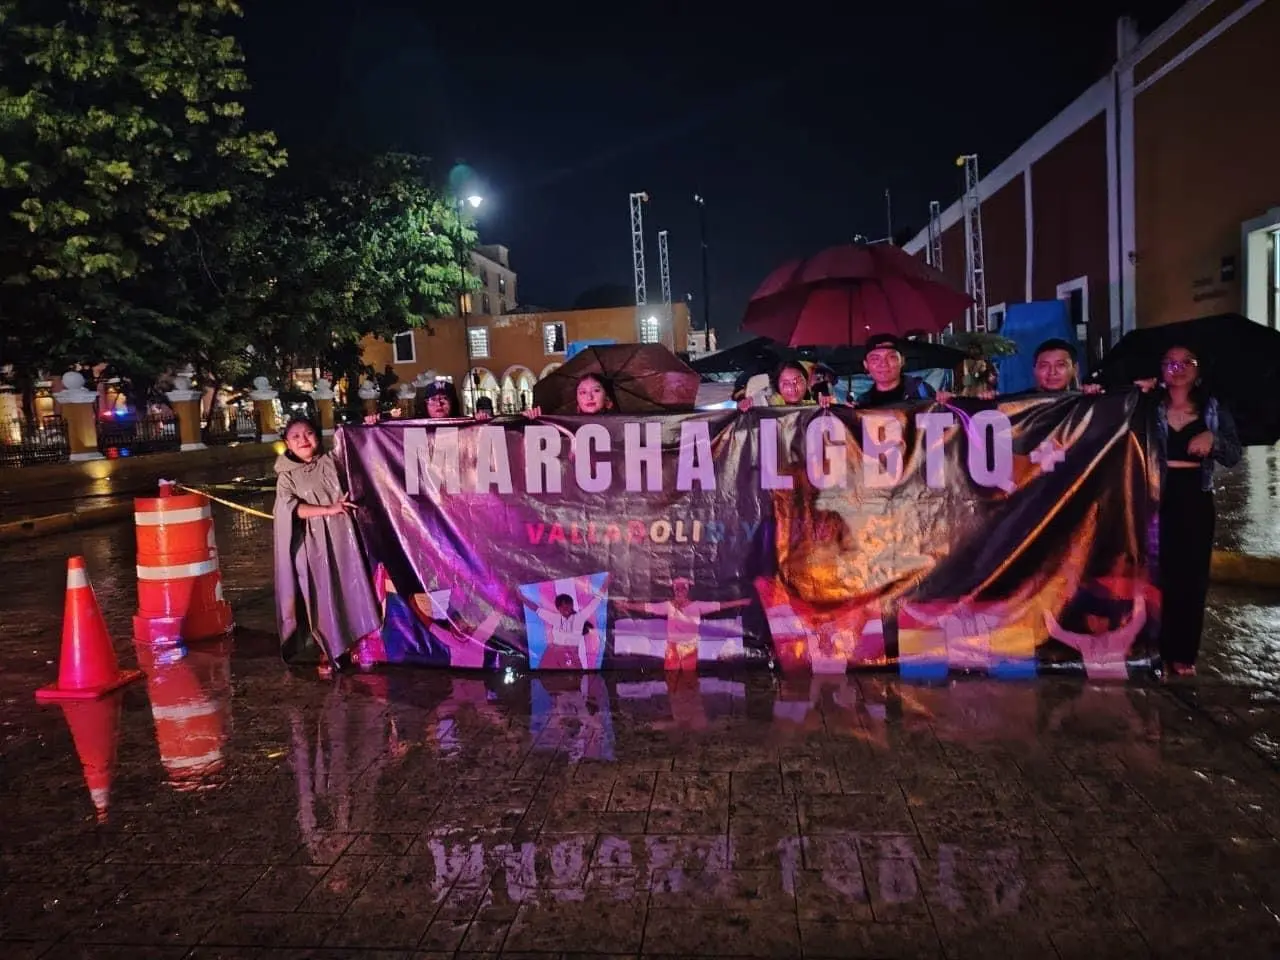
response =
{"points": [[473, 201]]}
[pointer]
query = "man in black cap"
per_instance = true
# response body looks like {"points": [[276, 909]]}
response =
{"points": [[889, 384]]}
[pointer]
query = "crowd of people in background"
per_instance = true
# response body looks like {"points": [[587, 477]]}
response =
{"points": [[1194, 433]]}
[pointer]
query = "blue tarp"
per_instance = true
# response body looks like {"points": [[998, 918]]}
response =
{"points": [[577, 346], [1029, 325]]}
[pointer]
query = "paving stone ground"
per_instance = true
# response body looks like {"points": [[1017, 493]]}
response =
{"points": [[256, 812]]}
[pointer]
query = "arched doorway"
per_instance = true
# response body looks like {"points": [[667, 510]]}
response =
{"points": [[481, 383], [517, 388], [549, 367]]}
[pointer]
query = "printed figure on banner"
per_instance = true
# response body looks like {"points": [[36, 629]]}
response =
{"points": [[566, 622], [1105, 619], [428, 628], [824, 641], [685, 638]]}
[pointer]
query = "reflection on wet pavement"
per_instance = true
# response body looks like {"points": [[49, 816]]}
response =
{"points": [[230, 808], [506, 815], [1248, 501], [1242, 637]]}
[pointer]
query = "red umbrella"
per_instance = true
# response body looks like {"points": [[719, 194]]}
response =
{"points": [[844, 295]]}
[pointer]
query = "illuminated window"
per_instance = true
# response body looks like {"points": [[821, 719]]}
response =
{"points": [[553, 337]]}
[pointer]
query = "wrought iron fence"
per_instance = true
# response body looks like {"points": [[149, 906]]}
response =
{"points": [[25, 442], [230, 426], [132, 436]]}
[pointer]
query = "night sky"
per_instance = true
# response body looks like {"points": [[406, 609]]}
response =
{"points": [[790, 119]]}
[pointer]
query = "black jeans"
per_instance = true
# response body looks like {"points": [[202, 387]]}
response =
{"points": [[1186, 545]]}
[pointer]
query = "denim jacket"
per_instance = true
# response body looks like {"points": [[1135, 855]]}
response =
{"points": [[1226, 442]]}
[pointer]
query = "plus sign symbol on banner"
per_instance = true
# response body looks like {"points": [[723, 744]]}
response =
{"points": [[1048, 455]]}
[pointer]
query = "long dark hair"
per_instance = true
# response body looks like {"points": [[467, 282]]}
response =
{"points": [[304, 420], [605, 385]]}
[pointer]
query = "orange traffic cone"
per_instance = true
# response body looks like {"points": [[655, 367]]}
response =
{"points": [[94, 725], [87, 669]]}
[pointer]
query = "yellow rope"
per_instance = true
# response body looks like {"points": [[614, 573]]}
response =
{"points": [[225, 503]]}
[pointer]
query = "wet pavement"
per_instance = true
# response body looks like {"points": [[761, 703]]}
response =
{"points": [[227, 807], [1248, 499], [68, 488]]}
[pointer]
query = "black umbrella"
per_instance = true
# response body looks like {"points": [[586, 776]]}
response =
{"points": [[916, 355], [762, 355], [1239, 363], [751, 356]]}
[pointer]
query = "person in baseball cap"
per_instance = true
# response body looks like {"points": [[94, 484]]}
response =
{"points": [[441, 399], [889, 385]]}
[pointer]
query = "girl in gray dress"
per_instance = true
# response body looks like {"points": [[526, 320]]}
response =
{"points": [[325, 602]]}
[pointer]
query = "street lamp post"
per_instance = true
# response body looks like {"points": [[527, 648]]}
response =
{"points": [[468, 384], [706, 283]]}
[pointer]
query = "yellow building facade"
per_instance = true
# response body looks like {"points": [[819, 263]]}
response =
{"points": [[510, 352]]}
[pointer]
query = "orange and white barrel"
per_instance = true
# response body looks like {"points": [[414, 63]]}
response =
{"points": [[179, 582]]}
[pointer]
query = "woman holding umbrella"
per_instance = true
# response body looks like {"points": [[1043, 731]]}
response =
{"points": [[594, 395], [1194, 432]]}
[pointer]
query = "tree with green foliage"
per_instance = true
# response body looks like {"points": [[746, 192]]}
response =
{"points": [[335, 252], [120, 136]]}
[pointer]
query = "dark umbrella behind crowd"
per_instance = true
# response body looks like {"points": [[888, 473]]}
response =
{"points": [[849, 361], [1239, 363], [641, 377], [762, 355]]}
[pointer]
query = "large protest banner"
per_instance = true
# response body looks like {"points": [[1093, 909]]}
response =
{"points": [[1005, 538]]}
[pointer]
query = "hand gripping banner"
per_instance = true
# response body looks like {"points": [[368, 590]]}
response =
{"points": [[1007, 538]]}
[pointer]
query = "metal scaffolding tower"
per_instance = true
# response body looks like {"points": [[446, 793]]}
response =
{"points": [[637, 245], [933, 254], [975, 282], [664, 265]]}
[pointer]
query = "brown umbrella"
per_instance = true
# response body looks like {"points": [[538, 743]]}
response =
{"points": [[642, 377]]}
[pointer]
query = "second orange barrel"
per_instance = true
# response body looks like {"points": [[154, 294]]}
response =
{"points": [[179, 582]]}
